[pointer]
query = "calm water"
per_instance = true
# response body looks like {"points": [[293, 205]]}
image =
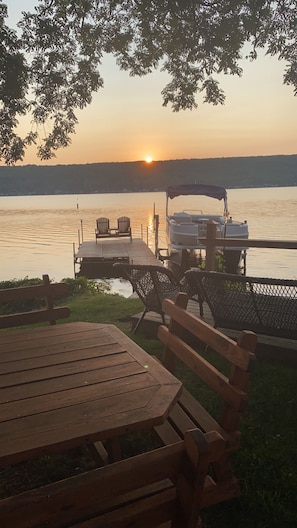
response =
{"points": [[38, 232]]}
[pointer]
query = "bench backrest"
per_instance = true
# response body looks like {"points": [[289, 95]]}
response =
{"points": [[186, 338], [143, 491], [263, 305], [45, 292]]}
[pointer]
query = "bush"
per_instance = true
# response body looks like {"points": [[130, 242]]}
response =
{"points": [[81, 285]]}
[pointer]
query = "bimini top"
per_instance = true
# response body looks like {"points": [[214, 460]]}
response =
{"points": [[213, 191]]}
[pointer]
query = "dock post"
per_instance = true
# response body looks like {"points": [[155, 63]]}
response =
{"points": [[156, 226], [210, 245], [74, 260]]}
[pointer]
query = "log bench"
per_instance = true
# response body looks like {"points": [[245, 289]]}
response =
{"points": [[44, 294], [145, 491], [266, 306], [185, 337]]}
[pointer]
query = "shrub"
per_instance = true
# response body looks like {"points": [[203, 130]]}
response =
{"points": [[81, 285]]}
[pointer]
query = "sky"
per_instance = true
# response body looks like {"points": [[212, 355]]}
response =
{"points": [[127, 122]]}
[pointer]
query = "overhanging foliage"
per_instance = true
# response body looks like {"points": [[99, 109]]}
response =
{"points": [[55, 66]]}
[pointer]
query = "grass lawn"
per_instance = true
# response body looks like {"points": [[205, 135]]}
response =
{"points": [[266, 463]]}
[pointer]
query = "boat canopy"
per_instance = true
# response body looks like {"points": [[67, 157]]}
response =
{"points": [[213, 191]]}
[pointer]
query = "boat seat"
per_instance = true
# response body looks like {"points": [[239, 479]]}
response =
{"points": [[183, 218]]}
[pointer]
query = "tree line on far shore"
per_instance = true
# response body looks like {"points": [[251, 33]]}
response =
{"points": [[139, 176]]}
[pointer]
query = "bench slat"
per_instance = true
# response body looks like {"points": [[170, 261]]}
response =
{"points": [[209, 374], [31, 292], [181, 420], [167, 433], [37, 316], [148, 512], [205, 421], [173, 430], [203, 331]]}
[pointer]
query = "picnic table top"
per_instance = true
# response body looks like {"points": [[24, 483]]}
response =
{"points": [[76, 383]]}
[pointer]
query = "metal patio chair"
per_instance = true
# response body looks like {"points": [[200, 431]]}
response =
{"points": [[152, 284]]}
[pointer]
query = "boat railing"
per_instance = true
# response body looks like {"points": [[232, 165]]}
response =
{"points": [[193, 211]]}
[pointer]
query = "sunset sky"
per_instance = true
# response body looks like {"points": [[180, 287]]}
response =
{"points": [[126, 120]]}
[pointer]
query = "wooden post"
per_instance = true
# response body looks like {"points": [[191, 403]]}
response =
{"points": [[74, 259], [156, 225], [210, 262]]}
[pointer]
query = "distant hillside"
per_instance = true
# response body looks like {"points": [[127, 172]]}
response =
{"points": [[138, 176]]}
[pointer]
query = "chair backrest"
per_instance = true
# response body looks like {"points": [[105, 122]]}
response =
{"points": [[124, 224], [38, 295], [102, 225], [144, 491], [225, 372], [152, 283]]}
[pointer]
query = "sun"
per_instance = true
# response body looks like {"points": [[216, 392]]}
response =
{"points": [[148, 159]]}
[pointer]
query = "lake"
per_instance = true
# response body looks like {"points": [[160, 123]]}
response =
{"points": [[38, 232]]}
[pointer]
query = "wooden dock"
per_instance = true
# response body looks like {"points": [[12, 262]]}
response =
{"points": [[96, 260]]}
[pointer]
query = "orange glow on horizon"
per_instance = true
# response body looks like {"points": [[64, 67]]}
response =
{"points": [[148, 159]]}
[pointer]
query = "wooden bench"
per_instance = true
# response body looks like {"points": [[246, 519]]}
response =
{"points": [[264, 305], [144, 491], [47, 312], [186, 331]]}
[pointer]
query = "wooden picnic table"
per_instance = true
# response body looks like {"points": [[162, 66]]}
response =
{"points": [[77, 383]]}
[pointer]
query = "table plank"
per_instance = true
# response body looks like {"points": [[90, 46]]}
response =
{"points": [[36, 344], [60, 399], [75, 425], [81, 379], [62, 370], [59, 357]]}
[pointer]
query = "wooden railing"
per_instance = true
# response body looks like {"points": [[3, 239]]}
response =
{"points": [[211, 243]]}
